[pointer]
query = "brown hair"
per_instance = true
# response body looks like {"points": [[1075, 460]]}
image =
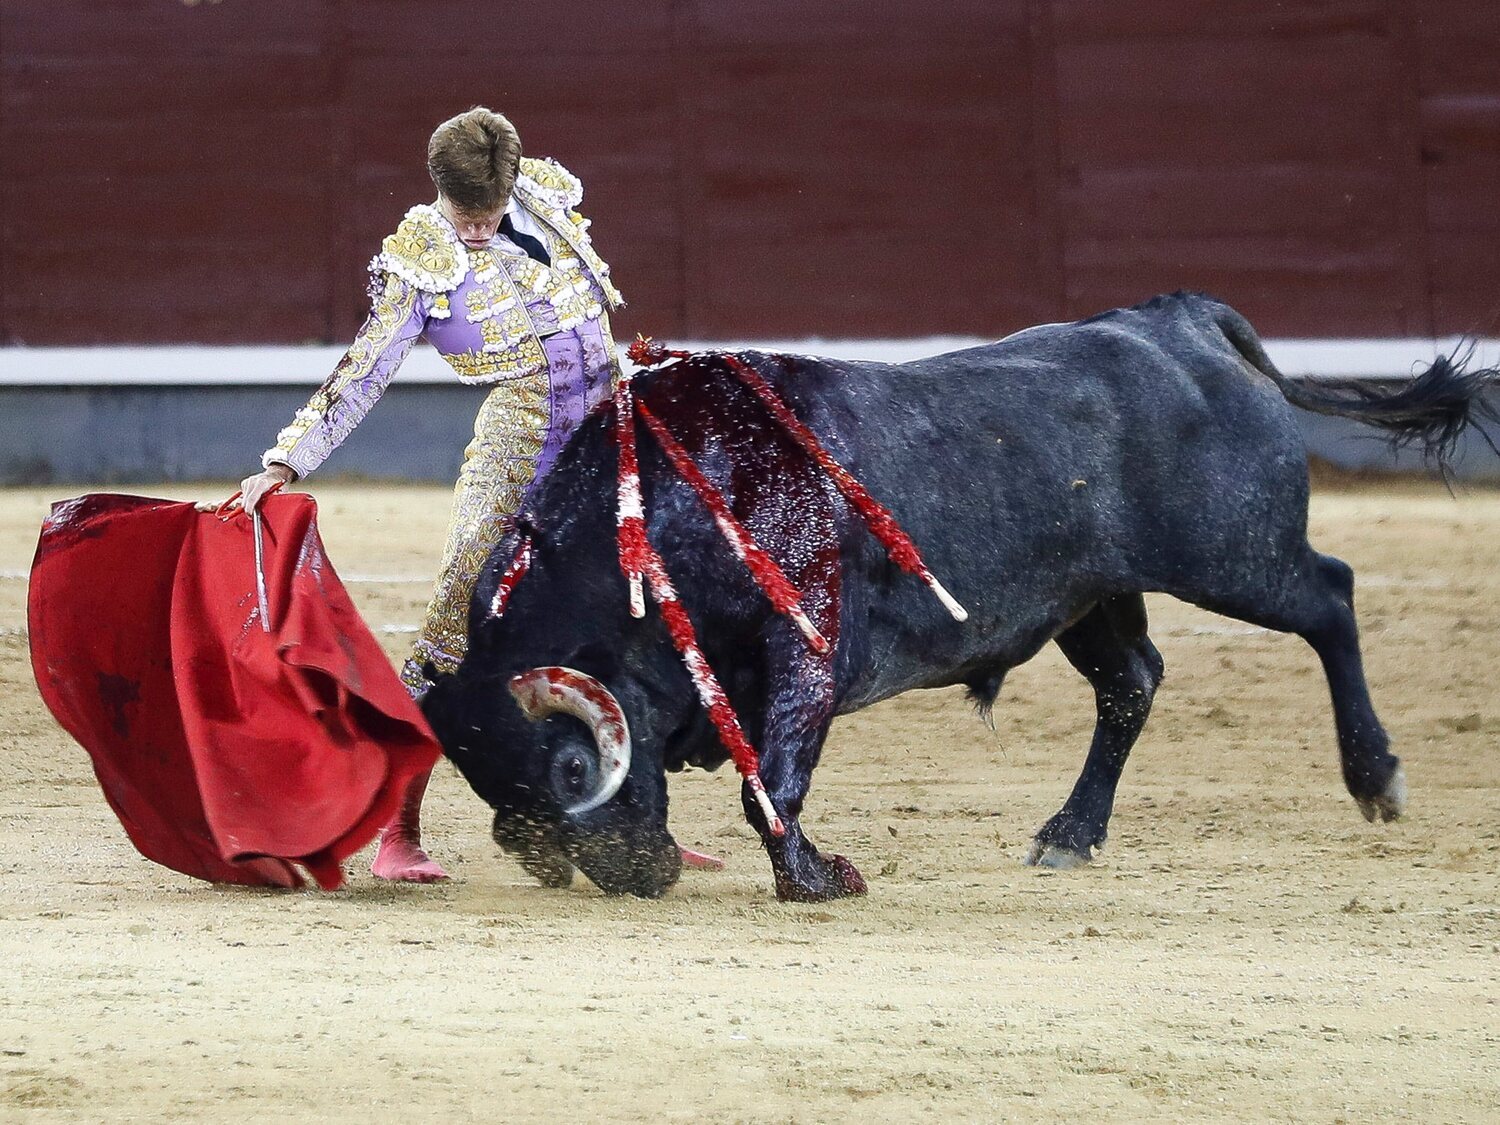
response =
{"points": [[473, 159]]}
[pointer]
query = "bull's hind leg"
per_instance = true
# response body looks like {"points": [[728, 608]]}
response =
{"points": [[1317, 604], [1110, 648]]}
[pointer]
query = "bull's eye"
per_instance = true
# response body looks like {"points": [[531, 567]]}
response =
{"points": [[572, 774]]}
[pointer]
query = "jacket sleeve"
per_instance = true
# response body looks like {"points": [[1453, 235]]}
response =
{"points": [[397, 317]]}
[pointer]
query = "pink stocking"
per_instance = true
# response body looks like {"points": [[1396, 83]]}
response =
{"points": [[399, 856]]}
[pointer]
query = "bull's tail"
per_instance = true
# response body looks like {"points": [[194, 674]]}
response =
{"points": [[1431, 410]]}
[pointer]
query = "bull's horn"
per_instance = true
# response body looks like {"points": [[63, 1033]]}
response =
{"points": [[544, 691]]}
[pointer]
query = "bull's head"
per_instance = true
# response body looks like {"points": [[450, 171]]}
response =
{"points": [[566, 784]]}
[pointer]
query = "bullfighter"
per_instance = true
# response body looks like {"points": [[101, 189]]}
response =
{"points": [[500, 276]]}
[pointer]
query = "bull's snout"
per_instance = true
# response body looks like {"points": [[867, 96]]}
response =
{"points": [[618, 868], [537, 850], [615, 865]]}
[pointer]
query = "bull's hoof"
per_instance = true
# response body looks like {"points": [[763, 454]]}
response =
{"points": [[1064, 842], [1057, 858], [832, 877], [1390, 803]]}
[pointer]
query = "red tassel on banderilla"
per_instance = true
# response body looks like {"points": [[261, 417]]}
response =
{"points": [[641, 564]]}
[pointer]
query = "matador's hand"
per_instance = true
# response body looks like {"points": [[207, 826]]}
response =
{"points": [[254, 489]]}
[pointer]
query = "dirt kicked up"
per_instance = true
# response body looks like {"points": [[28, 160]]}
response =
{"points": [[1247, 948]]}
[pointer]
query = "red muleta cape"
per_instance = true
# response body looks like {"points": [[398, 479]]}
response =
{"points": [[228, 752]]}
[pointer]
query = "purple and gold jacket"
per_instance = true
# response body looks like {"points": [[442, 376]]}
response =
{"points": [[485, 311]]}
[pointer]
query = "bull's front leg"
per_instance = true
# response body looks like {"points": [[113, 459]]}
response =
{"points": [[797, 719]]}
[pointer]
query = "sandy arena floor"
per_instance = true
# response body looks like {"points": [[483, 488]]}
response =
{"points": [[1248, 948]]}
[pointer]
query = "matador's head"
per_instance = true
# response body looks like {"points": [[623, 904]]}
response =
{"points": [[473, 159]]}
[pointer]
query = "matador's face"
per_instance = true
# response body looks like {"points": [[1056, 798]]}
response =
{"points": [[475, 230]]}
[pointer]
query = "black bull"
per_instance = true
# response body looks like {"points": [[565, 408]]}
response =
{"points": [[1050, 480]]}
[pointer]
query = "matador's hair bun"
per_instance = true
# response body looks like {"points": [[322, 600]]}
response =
{"points": [[473, 159]]}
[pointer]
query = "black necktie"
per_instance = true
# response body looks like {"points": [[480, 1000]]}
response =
{"points": [[532, 246]]}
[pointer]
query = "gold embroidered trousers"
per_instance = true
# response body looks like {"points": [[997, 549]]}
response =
{"points": [[520, 428]]}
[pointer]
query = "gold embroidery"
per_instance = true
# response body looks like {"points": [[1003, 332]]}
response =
{"points": [[563, 285], [552, 193], [524, 357], [499, 466], [391, 308], [492, 332], [425, 250], [484, 263], [550, 182], [532, 274]]}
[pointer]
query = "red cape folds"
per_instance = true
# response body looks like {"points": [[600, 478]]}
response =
{"points": [[228, 752]]}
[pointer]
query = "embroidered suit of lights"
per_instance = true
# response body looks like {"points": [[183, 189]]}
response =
{"points": [[539, 333]]}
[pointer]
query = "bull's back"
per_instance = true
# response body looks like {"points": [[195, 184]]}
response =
{"points": [[1067, 463]]}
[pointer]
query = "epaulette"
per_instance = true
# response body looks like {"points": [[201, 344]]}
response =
{"points": [[550, 183], [425, 250]]}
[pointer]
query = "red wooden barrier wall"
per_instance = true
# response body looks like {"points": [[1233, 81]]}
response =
{"points": [[220, 172]]}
